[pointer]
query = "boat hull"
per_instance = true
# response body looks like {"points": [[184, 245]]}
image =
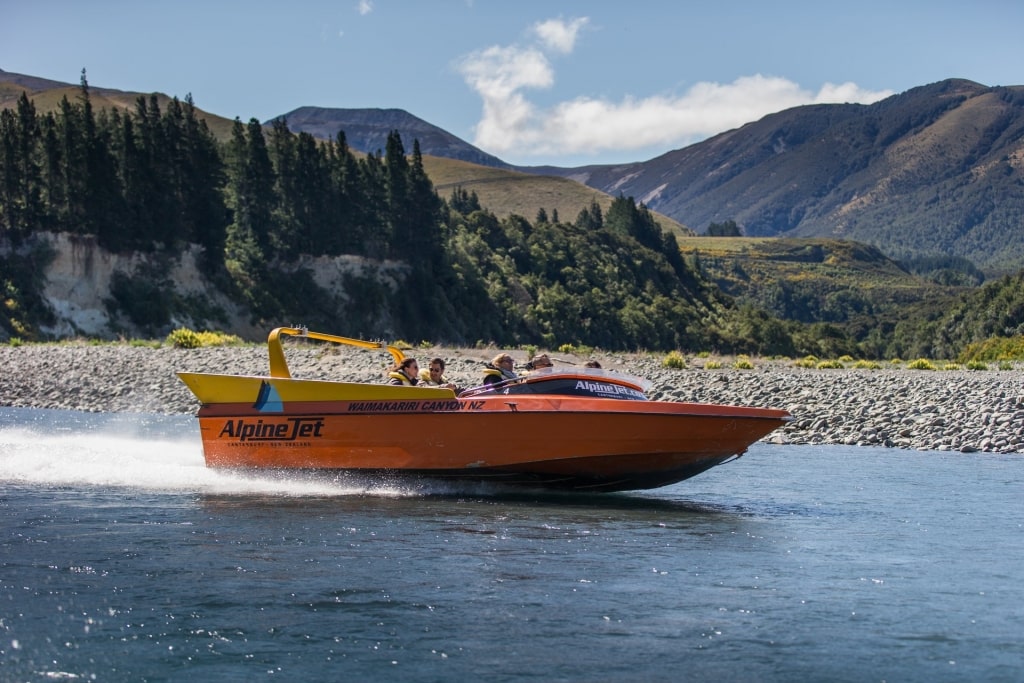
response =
{"points": [[564, 442]]}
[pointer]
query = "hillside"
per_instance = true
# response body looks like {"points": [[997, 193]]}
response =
{"points": [[811, 279], [47, 94], [451, 162], [506, 192], [937, 170]]}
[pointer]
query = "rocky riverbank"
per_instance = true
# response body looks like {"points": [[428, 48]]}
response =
{"points": [[958, 410]]}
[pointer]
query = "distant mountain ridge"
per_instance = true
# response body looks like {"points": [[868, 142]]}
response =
{"points": [[367, 130], [938, 169]]}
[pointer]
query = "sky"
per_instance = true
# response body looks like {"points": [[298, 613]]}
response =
{"points": [[530, 81]]}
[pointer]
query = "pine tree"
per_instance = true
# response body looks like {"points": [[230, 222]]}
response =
{"points": [[425, 219], [247, 237], [204, 214], [398, 208]]}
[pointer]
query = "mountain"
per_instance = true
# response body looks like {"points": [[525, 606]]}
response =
{"points": [[936, 170], [366, 130]]}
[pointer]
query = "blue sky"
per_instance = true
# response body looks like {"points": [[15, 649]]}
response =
{"points": [[532, 82]]}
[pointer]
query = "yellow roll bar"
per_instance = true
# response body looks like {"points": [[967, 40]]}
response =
{"points": [[279, 366]]}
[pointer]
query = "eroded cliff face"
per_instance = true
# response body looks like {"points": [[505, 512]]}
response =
{"points": [[78, 286], [79, 278]]}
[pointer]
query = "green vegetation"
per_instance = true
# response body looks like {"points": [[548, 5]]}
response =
{"points": [[743, 362], [506, 193], [994, 349], [184, 338], [726, 229], [575, 349], [809, 280], [674, 360], [261, 202], [853, 301]]}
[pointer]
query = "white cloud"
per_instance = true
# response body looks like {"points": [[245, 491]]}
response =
{"points": [[510, 122], [364, 7], [559, 35]]}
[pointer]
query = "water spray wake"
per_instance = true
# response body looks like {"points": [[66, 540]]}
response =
{"points": [[161, 454]]}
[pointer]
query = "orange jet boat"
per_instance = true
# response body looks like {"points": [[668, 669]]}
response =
{"points": [[578, 428]]}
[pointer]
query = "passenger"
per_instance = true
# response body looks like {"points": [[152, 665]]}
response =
{"points": [[500, 369], [540, 362], [405, 373], [434, 376], [592, 364]]}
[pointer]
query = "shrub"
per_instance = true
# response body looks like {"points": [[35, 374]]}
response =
{"points": [[743, 363], [806, 362], [576, 349], [15, 341], [218, 339], [830, 364], [712, 365], [845, 359], [674, 360], [920, 364], [1005, 365], [867, 365], [976, 365], [951, 366], [184, 338]]}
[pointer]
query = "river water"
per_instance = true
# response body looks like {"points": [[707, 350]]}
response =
{"points": [[122, 558]]}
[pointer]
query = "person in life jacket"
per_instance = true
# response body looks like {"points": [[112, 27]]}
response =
{"points": [[433, 376], [405, 373], [500, 369], [539, 363]]}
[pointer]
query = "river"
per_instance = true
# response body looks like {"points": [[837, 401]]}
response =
{"points": [[123, 558]]}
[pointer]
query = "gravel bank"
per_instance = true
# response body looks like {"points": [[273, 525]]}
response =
{"points": [[944, 410]]}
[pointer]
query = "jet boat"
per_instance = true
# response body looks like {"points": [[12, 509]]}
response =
{"points": [[578, 428]]}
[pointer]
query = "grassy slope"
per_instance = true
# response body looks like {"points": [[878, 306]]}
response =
{"points": [[746, 266], [49, 100], [507, 192]]}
